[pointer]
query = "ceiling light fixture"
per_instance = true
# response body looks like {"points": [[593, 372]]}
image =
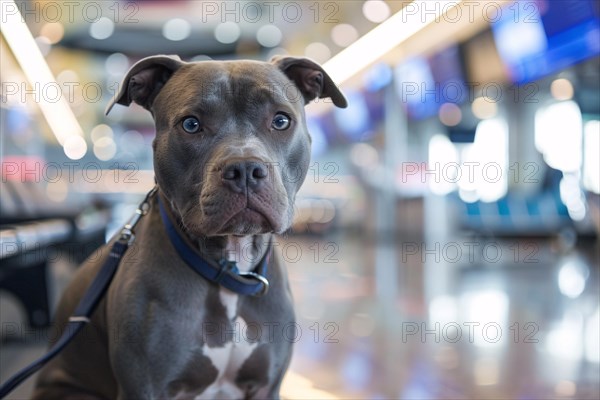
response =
{"points": [[414, 17], [57, 113]]}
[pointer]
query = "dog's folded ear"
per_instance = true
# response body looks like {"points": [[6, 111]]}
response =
{"points": [[311, 79], [144, 81]]}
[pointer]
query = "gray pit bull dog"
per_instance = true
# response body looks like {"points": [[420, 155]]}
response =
{"points": [[230, 153]]}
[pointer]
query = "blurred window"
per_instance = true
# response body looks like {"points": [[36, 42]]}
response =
{"points": [[481, 167], [558, 135], [591, 156]]}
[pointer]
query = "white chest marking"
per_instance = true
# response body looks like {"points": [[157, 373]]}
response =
{"points": [[228, 359], [229, 301]]}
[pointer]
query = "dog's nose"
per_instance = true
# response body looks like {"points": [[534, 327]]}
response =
{"points": [[239, 176]]}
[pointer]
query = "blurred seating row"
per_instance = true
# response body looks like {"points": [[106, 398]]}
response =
{"points": [[541, 214]]}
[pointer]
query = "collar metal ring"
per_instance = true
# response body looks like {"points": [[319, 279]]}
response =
{"points": [[260, 278]]}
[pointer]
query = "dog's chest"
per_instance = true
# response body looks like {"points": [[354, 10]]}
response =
{"points": [[229, 355], [229, 358]]}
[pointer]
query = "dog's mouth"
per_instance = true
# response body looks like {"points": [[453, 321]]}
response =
{"points": [[237, 215], [247, 221]]}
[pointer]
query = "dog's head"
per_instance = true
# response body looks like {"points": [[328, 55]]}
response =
{"points": [[231, 147]]}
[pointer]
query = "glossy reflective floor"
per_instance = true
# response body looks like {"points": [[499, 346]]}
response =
{"points": [[507, 320], [458, 319]]}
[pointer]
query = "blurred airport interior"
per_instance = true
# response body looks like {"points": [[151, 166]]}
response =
{"points": [[445, 243]]}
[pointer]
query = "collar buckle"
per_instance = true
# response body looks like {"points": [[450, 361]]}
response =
{"points": [[264, 281]]}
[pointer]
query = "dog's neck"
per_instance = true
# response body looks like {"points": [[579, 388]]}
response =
{"points": [[246, 251], [237, 250]]}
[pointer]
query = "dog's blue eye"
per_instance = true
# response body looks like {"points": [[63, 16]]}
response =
{"points": [[191, 125], [281, 122]]}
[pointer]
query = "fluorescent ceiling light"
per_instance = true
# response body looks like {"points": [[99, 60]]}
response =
{"points": [[59, 115], [380, 40]]}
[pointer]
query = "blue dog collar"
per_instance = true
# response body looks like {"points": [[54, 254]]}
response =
{"points": [[226, 273]]}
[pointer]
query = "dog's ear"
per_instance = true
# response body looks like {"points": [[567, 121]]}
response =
{"points": [[144, 81], [311, 79]]}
